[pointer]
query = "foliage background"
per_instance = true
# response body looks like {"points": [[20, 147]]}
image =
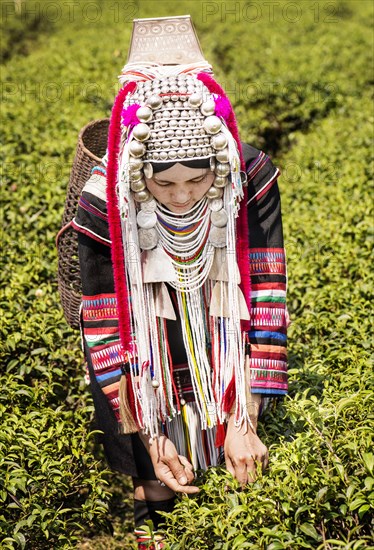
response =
{"points": [[300, 77]]}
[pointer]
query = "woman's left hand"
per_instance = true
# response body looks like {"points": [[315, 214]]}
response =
{"points": [[243, 451]]}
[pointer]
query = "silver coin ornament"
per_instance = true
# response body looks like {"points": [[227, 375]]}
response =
{"points": [[137, 149], [220, 181], [148, 238], [137, 186], [208, 107], [219, 142], [148, 170], [144, 114], [214, 193], [217, 236], [215, 205], [212, 124], [141, 196], [222, 169], [219, 218], [149, 206], [141, 131], [155, 102], [146, 220], [223, 155]]}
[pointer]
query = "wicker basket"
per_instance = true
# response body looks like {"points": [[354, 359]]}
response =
{"points": [[92, 143]]}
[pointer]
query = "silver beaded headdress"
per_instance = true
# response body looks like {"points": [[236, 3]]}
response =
{"points": [[171, 115]]}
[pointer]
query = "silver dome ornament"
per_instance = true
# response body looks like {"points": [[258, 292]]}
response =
{"points": [[146, 220], [137, 149], [141, 132], [219, 142], [217, 236], [220, 181], [223, 155], [148, 238], [163, 155], [142, 196], [208, 107], [172, 155], [149, 206], [222, 169], [136, 175], [144, 114], [135, 165], [214, 193], [212, 124], [181, 153], [195, 100], [190, 153], [148, 170], [155, 102], [137, 186], [219, 218]]}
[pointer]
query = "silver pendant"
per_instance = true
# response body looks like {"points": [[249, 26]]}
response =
{"points": [[219, 218], [217, 236], [146, 220], [148, 238], [215, 204]]}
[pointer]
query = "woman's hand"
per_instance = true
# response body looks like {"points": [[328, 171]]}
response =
{"points": [[243, 450], [170, 468]]}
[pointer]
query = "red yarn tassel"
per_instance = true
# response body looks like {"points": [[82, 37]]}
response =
{"points": [[229, 396], [215, 88], [114, 216], [220, 435]]}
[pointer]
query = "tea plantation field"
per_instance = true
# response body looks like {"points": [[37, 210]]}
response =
{"points": [[300, 77]]}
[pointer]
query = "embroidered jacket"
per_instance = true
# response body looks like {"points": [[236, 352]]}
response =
{"points": [[269, 316]]}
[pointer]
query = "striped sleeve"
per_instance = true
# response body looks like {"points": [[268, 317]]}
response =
{"points": [[268, 271], [99, 315]]}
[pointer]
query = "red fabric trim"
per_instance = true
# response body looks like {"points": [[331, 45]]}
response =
{"points": [[114, 216]]}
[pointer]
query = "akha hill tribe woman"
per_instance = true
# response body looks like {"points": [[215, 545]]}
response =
{"points": [[184, 278]]}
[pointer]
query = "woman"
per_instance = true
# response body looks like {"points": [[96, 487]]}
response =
{"points": [[184, 284]]}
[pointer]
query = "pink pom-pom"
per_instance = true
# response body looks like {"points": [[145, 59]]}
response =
{"points": [[223, 107], [128, 115]]}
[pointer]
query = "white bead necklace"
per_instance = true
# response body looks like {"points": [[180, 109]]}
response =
{"points": [[192, 266]]}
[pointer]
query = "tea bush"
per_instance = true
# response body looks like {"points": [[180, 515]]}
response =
{"points": [[304, 97]]}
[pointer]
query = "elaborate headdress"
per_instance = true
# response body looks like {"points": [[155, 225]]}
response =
{"points": [[170, 109]]}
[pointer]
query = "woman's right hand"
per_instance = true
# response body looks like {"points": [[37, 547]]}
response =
{"points": [[170, 468]]}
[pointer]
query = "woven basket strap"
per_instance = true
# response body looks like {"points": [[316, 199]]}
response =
{"points": [[62, 230]]}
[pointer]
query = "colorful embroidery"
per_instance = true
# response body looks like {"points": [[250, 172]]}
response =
{"points": [[264, 260], [269, 321]]}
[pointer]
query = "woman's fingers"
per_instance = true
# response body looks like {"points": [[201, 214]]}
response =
{"points": [[188, 468], [165, 475]]}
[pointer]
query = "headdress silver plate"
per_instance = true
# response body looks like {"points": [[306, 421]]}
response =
{"points": [[165, 40]]}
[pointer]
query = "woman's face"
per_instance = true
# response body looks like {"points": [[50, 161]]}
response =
{"points": [[179, 188]]}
